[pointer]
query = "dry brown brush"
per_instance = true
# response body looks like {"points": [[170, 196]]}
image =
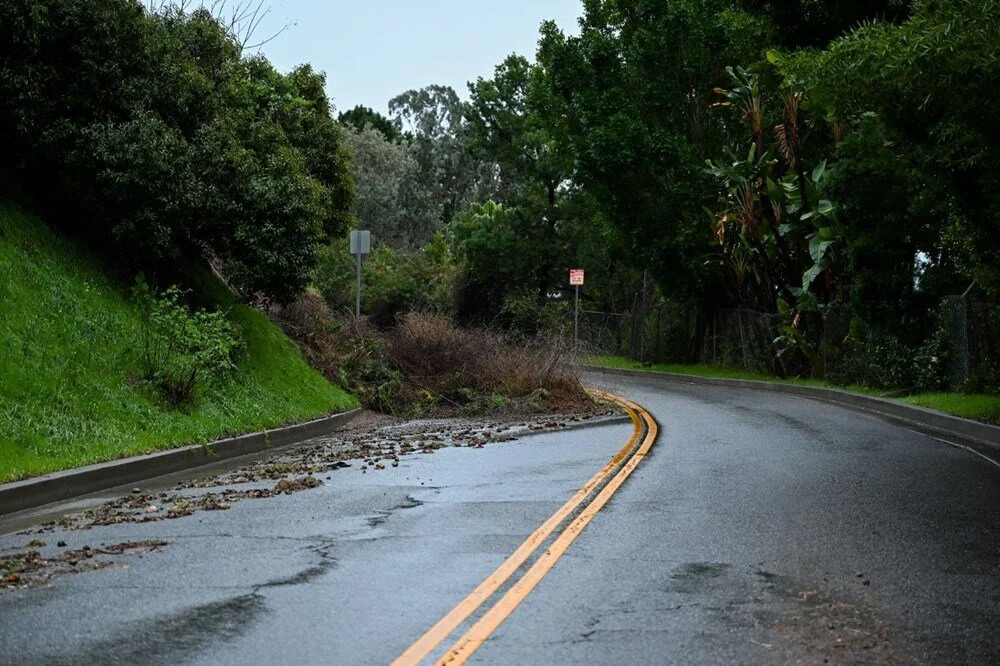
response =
{"points": [[471, 365], [308, 321], [427, 364]]}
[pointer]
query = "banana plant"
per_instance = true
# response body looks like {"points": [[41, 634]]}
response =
{"points": [[816, 227], [775, 219]]}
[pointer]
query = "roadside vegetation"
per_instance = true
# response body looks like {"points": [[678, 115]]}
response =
{"points": [[812, 200], [77, 387], [982, 407], [426, 365], [803, 191]]}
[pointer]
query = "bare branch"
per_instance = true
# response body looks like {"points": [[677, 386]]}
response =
{"points": [[240, 19], [265, 41]]}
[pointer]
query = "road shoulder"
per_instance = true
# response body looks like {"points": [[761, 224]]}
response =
{"points": [[979, 438]]}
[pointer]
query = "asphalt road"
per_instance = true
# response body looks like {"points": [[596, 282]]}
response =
{"points": [[759, 529]]}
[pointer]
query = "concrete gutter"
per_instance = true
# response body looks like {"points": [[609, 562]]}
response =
{"points": [[984, 437], [41, 490]]}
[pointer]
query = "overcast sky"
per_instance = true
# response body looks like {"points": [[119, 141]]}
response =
{"points": [[372, 51]]}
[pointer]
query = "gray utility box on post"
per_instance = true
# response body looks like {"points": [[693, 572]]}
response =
{"points": [[361, 242]]}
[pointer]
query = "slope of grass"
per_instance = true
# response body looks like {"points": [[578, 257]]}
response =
{"points": [[69, 344], [980, 407]]}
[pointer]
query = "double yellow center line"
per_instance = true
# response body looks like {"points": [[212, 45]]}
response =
{"points": [[501, 610]]}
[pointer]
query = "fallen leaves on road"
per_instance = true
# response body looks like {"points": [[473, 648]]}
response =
{"points": [[141, 509], [373, 444], [31, 569]]}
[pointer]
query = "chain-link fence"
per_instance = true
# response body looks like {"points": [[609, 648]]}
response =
{"points": [[607, 333], [665, 332], [671, 333], [973, 326]]}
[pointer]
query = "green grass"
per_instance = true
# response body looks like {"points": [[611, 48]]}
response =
{"points": [[973, 406], [623, 363], [700, 370], [970, 405], [69, 344]]}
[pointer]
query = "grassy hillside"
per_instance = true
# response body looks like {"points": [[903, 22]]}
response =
{"points": [[69, 346]]}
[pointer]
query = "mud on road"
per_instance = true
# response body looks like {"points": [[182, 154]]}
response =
{"points": [[369, 444]]}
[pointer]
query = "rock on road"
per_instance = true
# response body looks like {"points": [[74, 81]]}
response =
{"points": [[760, 529]]}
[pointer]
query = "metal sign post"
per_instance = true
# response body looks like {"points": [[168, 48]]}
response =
{"points": [[575, 280], [361, 244]]}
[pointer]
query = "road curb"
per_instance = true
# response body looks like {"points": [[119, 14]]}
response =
{"points": [[41, 490], [928, 420]]}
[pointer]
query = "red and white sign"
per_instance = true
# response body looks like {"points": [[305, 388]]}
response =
{"points": [[576, 277]]}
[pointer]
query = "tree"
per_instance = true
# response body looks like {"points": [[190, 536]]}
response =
{"points": [[362, 117], [514, 121], [636, 85], [159, 138], [814, 23], [391, 200], [907, 87], [436, 122]]}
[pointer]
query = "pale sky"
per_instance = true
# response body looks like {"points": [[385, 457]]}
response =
{"points": [[372, 51]]}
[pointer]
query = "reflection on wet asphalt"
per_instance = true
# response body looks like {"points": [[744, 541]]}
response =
{"points": [[761, 529]]}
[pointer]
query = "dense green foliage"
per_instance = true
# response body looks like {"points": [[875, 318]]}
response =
{"points": [[852, 166], [71, 388], [636, 84], [393, 281], [926, 90], [824, 169], [154, 131], [827, 168], [363, 117]]}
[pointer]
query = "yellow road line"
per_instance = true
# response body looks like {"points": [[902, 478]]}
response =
{"points": [[487, 624], [457, 615]]}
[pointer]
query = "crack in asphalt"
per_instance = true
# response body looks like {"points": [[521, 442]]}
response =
{"points": [[255, 537]]}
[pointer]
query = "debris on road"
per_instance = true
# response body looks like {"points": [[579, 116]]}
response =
{"points": [[31, 569], [376, 440]]}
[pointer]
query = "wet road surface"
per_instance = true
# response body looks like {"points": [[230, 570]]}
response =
{"points": [[760, 529]]}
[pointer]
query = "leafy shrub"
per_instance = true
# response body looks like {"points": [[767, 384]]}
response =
{"points": [[522, 316], [365, 370], [393, 281], [876, 360], [334, 276], [161, 137], [503, 248], [182, 349], [882, 361]]}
